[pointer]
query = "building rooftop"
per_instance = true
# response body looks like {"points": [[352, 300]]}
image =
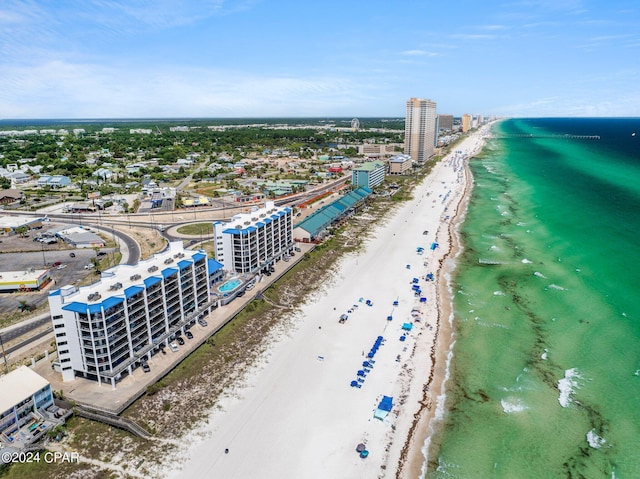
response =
{"points": [[18, 385], [368, 166], [124, 280]]}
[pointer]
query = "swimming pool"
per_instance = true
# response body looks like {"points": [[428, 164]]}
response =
{"points": [[230, 285]]}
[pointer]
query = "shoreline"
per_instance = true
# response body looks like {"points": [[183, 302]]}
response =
{"points": [[295, 414], [428, 426]]}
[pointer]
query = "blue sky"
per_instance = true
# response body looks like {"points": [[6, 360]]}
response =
{"points": [[283, 58]]}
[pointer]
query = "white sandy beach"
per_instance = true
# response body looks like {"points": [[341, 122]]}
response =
{"points": [[297, 415]]}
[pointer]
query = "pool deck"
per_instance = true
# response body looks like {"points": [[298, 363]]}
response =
{"points": [[104, 398]]}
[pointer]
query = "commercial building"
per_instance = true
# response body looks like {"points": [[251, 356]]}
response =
{"points": [[314, 226], [445, 122], [102, 331], [252, 240], [23, 281], [369, 174], [421, 129], [400, 165]]}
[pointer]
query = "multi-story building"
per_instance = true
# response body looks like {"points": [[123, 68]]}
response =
{"points": [[368, 174], [103, 330], [24, 392], [252, 240], [400, 165], [445, 122], [421, 129], [466, 122]]}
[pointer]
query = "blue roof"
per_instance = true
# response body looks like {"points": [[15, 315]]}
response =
{"points": [[112, 301], [132, 291], [214, 265], [268, 220], [168, 272], [148, 282], [76, 307], [95, 308], [198, 256], [54, 293], [184, 264]]}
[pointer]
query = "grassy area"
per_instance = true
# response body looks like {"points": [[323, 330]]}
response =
{"points": [[196, 229]]}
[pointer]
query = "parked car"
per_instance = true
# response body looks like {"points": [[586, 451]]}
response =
{"points": [[145, 367], [73, 255], [56, 264], [202, 322], [298, 250], [61, 266], [180, 340], [89, 266], [189, 334], [101, 253], [173, 347], [240, 294]]}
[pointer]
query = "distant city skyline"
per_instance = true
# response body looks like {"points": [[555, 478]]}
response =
{"points": [[279, 58]]}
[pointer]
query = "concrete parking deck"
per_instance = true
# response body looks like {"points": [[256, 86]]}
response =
{"points": [[104, 397]]}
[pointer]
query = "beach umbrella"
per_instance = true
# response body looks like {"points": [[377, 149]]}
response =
{"points": [[367, 364], [370, 355], [361, 447], [361, 373], [389, 318], [364, 454], [354, 384]]}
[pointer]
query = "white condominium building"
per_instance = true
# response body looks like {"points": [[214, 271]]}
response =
{"points": [[250, 241], [421, 129], [103, 330]]}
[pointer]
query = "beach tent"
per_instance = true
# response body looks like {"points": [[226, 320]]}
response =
{"points": [[407, 326], [384, 408], [423, 300], [434, 246]]}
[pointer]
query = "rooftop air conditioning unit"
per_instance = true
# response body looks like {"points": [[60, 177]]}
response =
{"points": [[135, 277], [168, 261], [152, 269]]}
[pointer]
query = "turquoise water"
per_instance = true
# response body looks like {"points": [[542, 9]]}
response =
{"points": [[229, 285], [546, 366]]}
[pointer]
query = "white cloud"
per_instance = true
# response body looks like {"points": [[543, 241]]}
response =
{"points": [[67, 90], [418, 53]]}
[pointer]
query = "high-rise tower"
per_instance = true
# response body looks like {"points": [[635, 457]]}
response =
{"points": [[420, 134]]}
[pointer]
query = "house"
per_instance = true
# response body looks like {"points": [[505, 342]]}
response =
{"points": [[9, 196]]}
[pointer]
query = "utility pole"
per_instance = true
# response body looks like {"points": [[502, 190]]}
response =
{"points": [[4, 355]]}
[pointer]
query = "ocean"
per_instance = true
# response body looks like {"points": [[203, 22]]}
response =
{"points": [[545, 374]]}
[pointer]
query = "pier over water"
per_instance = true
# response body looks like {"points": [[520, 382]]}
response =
{"points": [[551, 137]]}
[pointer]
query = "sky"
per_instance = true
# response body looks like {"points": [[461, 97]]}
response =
{"points": [[317, 58]]}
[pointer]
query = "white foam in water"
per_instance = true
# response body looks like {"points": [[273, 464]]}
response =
{"points": [[493, 247], [567, 386], [526, 261], [594, 440], [512, 405], [555, 286], [498, 293], [545, 355], [539, 274]]}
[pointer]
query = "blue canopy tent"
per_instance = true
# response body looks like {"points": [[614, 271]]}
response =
{"points": [[384, 408], [434, 246], [407, 326]]}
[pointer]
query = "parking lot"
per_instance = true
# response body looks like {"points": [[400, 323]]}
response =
{"points": [[24, 253]]}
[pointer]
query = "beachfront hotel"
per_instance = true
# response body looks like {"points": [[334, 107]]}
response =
{"points": [[103, 330], [421, 129], [368, 175], [250, 241], [466, 122]]}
